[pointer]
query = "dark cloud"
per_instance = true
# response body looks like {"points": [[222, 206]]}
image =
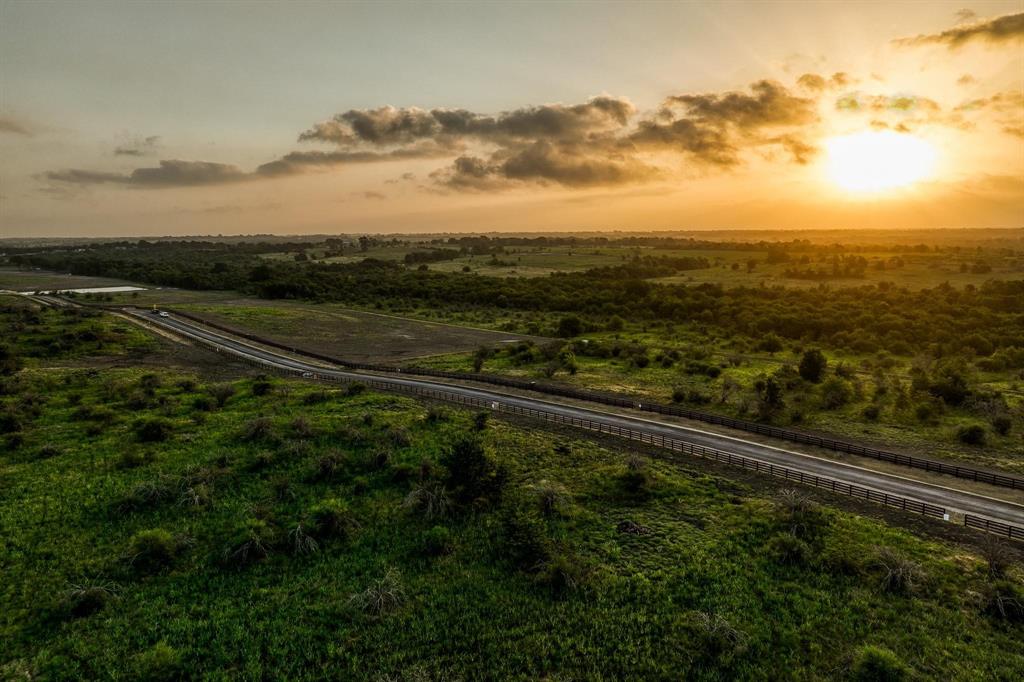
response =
{"points": [[860, 102], [965, 15], [813, 82], [138, 147], [172, 173], [14, 127], [998, 30], [966, 79]]}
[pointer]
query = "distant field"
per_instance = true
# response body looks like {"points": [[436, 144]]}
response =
{"points": [[35, 280], [728, 267]]}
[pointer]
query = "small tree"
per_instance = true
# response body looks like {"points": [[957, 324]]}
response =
{"points": [[570, 326], [812, 365]]}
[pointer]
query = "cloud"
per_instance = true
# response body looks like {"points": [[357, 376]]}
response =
{"points": [[1005, 108], [14, 127], [172, 173], [966, 79], [597, 142], [138, 147], [998, 30], [965, 15]]}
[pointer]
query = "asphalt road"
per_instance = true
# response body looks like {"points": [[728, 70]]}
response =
{"points": [[952, 499]]}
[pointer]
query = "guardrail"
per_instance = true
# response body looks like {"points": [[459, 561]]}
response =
{"points": [[656, 440], [930, 465]]}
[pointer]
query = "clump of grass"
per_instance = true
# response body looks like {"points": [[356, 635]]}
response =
{"points": [[301, 428], [900, 575], [316, 397], [875, 664], [355, 389], [47, 451], [131, 459], [716, 638], [154, 549], [398, 437], [282, 488], [438, 541], [84, 599], [301, 541], [160, 663], [221, 393], [258, 429], [437, 414], [252, 542], [148, 493], [562, 573], [430, 499], [552, 498], [382, 597], [330, 466], [198, 495], [332, 518], [636, 479], [261, 386], [153, 430], [1004, 599]]}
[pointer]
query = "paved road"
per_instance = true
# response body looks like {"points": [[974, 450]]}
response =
{"points": [[952, 499]]}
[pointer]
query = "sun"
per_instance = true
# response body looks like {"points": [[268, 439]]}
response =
{"points": [[875, 161]]}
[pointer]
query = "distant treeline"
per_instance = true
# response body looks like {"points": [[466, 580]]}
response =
{"points": [[941, 320]]}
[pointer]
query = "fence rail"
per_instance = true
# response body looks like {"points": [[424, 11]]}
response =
{"points": [[791, 435], [1004, 529]]}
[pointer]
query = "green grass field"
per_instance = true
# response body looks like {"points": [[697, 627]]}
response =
{"points": [[123, 552]]}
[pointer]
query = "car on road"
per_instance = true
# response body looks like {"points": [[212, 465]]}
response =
{"points": [[164, 313]]}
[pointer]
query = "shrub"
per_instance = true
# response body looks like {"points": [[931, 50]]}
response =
{"points": [[261, 387], [259, 428], [1002, 424], [900, 575], [480, 420], [1005, 599], [398, 436], [871, 412], [330, 465], [47, 451], [562, 574], [875, 664], [222, 393], [153, 430], [552, 498], [186, 385], [355, 389], [438, 541], [569, 326], [471, 473], [301, 428], [147, 494], [635, 478], [129, 459], [678, 394], [202, 403], [154, 549], [252, 542], [972, 434], [770, 343], [87, 598], [382, 596], [429, 498], [716, 638], [160, 663], [835, 393], [787, 548], [524, 538], [331, 518], [316, 397], [812, 365]]}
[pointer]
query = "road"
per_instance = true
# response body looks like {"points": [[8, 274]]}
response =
{"points": [[954, 500]]}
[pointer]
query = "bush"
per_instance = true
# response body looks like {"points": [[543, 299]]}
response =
{"points": [[222, 393], [812, 365], [972, 434], [438, 541], [1002, 424], [787, 548], [770, 343], [635, 478], [259, 428], [261, 387], [202, 403], [330, 466], [47, 451], [717, 640], [355, 389], [154, 549], [835, 393], [129, 459], [153, 430], [471, 473], [1005, 599], [875, 664], [552, 498], [562, 574], [316, 397], [871, 413], [480, 420], [569, 326]]}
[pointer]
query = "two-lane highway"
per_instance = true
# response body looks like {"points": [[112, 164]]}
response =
{"points": [[952, 499]]}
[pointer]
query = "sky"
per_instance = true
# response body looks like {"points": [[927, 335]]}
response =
{"points": [[187, 118]]}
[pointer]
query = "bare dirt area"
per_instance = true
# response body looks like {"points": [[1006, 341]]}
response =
{"points": [[348, 334]]}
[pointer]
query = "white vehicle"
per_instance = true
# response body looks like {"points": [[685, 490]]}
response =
{"points": [[164, 313], [307, 375]]}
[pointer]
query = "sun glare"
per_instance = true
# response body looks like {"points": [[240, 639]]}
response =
{"points": [[874, 161]]}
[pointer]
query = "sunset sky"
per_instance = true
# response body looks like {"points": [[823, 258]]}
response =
{"points": [[196, 118]]}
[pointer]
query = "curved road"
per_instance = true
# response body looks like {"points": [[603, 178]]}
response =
{"points": [[952, 499]]}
